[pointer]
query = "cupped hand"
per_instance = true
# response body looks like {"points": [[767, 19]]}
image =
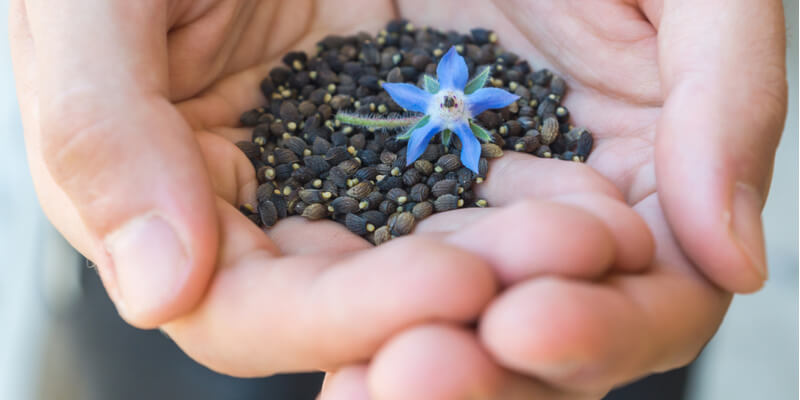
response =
{"points": [[686, 101], [131, 111]]}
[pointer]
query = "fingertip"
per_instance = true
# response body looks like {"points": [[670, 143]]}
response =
{"points": [[436, 362]]}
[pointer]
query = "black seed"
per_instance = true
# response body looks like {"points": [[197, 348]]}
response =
{"points": [[389, 182], [360, 190], [337, 154], [344, 205], [445, 186], [303, 174], [374, 217], [315, 211], [280, 75], [368, 157], [419, 192], [422, 210], [448, 162], [268, 213], [356, 224], [401, 224], [251, 118], [251, 150], [446, 202], [366, 173]]}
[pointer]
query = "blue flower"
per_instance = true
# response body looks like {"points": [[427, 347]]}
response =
{"points": [[449, 105]]}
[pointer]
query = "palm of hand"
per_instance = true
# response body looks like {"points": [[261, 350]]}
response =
{"points": [[613, 74]]}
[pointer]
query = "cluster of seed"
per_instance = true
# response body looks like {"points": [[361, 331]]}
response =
{"points": [[309, 164]]}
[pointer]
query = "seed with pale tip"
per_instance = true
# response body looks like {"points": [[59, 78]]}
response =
{"points": [[448, 162], [315, 211], [360, 191], [446, 202], [491, 150]]}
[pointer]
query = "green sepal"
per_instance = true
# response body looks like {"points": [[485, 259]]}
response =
{"points": [[407, 134], [447, 135], [480, 133], [477, 82], [431, 85]]}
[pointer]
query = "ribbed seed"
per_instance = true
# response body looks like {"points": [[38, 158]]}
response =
{"points": [[402, 224], [446, 186], [344, 205], [422, 210], [360, 191], [446, 202], [549, 130], [315, 211], [491, 150]]}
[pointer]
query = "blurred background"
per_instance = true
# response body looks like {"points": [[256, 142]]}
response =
{"points": [[61, 339]]}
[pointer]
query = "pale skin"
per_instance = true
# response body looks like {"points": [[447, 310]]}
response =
{"points": [[582, 278]]}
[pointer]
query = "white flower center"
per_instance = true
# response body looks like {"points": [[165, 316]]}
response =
{"points": [[449, 107]]}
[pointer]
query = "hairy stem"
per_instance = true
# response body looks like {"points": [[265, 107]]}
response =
{"points": [[376, 122]]}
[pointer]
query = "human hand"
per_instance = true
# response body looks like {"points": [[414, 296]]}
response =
{"points": [[686, 120], [130, 122]]}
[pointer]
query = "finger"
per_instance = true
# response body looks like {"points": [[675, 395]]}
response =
{"points": [[588, 336], [517, 175], [442, 362], [348, 383], [299, 236], [264, 315], [122, 155], [720, 127], [580, 236], [533, 238]]}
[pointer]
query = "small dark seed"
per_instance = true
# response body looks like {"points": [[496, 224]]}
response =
{"points": [[491, 150], [250, 149], [360, 190], [446, 186], [446, 202], [268, 213], [549, 130], [356, 224], [448, 162], [402, 224], [337, 154], [344, 205], [422, 210], [296, 145], [381, 235], [374, 217], [315, 211], [397, 195]]}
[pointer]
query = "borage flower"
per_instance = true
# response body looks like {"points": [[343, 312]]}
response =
{"points": [[449, 105]]}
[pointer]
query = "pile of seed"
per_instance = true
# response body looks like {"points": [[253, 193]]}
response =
{"points": [[309, 164]]}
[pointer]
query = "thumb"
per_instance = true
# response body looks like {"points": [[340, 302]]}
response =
{"points": [[723, 72], [122, 154]]}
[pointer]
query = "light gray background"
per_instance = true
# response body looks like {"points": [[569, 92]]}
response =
{"points": [[754, 355]]}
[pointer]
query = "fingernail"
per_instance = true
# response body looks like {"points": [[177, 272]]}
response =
{"points": [[747, 227], [150, 264]]}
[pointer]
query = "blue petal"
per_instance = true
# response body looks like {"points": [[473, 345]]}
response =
{"points": [[419, 140], [452, 71], [470, 146], [408, 96], [486, 98]]}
